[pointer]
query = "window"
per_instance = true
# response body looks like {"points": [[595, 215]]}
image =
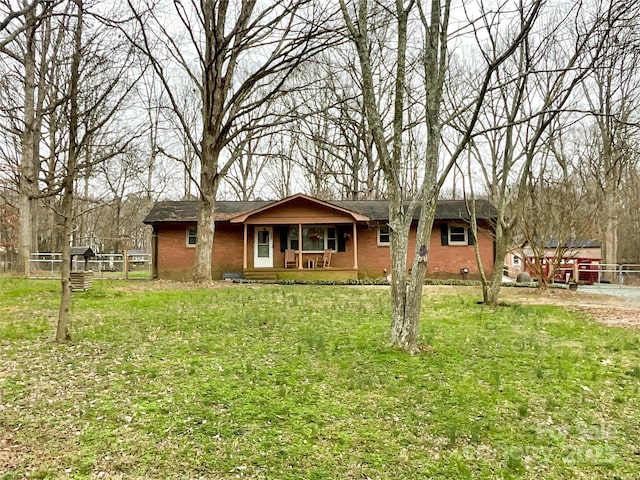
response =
{"points": [[263, 245], [384, 235], [192, 235], [457, 235], [516, 261], [331, 238], [293, 238], [314, 238]]}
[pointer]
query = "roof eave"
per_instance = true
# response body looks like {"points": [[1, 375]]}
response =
{"points": [[244, 216]]}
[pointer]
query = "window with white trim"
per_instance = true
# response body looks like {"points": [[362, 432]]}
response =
{"points": [[516, 261], [458, 235], [384, 235], [192, 236], [315, 238]]}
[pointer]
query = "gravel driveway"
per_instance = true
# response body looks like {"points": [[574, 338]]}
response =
{"points": [[629, 295]]}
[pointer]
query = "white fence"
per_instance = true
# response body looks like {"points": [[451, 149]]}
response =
{"points": [[625, 274], [104, 265]]}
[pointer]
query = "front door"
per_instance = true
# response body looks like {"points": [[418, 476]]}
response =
{"points": [[263, 251]]}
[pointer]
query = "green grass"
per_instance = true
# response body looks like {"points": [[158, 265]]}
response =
{"points": [[298, 382]]}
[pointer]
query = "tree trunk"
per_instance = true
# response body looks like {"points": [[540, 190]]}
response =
{"points": [[24, 232], [62, 332], [400, 330], [206, 223], [405, 329], [610, 250], [30, 140], [204, 243], [491, 288], [66, 208]]}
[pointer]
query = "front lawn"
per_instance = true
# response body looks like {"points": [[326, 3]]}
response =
{"points": [[298, 382]]}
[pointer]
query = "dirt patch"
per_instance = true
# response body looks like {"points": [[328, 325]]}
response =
{"points": [[614, 316], [607, 309], [9, 453]]}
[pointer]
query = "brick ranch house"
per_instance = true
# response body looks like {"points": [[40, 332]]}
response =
{"points": [[292, 238]]}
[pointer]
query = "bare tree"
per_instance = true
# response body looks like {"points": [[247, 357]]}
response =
{"points": [[335, 149], [8, 15], [28, 46], [282, 174], [237, 57], [613, 95], [533, 94], [629, 230], [97, 85], [556, 214], [433, 20], [244, 175]]}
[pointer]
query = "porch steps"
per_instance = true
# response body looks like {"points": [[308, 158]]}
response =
{"points": [[254, 275]]}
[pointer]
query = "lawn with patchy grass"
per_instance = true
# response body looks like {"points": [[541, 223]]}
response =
{"points": [[298, 382]]}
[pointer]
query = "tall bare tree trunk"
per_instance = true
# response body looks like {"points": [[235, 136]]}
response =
{"points": [[611, 160], [206, 224], [62, 331], [610, 245], [491, 288], [28, 183], [66, 209]]}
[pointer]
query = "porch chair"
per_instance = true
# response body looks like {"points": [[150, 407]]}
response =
{"points": [[324, 260], [290, 258]]}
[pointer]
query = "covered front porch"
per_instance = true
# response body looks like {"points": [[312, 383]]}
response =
{"points": [[300, 251], [300, 238]]}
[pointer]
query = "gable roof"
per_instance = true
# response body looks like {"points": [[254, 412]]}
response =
{"points": [[361, 210], [334, 206]]}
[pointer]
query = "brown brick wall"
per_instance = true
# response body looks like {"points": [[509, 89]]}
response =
{"points": [[446, 261], [443, 262], [373, 260], [228, 249], [175, 259]]}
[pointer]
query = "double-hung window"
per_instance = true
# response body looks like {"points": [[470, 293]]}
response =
{"points": [[458, 235], [192, 236], [384, 235]]}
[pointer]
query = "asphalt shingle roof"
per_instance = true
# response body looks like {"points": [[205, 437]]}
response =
{"points": [[376, 210], [187, 210], [573, 243], [445, 209]]}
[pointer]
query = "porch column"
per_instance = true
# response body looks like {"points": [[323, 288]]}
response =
{"points": [[244, 248], [355, 246], [300, 246]]}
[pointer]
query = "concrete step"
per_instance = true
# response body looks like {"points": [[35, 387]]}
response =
{"points": [[255, 275]]}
